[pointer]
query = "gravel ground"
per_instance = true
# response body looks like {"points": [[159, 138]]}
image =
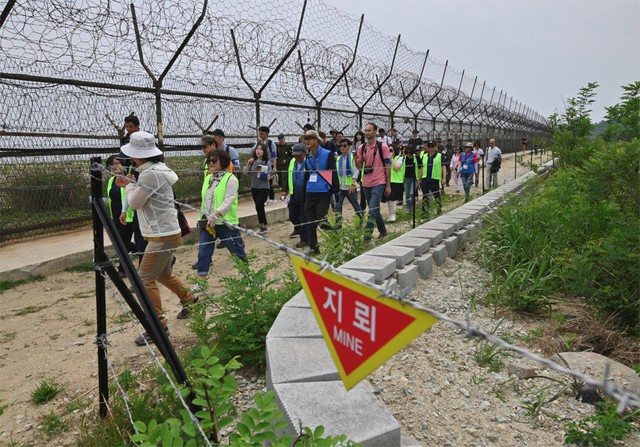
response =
{"points": [[442, 396]]}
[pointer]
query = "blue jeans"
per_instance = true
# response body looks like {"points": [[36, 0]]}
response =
{"points": [[353, 200], [467, 181], [409, 193], [231, 237], [373, 194]]}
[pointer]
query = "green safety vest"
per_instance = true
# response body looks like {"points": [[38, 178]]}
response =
{"points": [[436, 173], [292, 165], [129, 212], [203, 191], [398, 176], [218, 196], [349, 178]]}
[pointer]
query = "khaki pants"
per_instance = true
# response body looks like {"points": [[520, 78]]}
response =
{"points": [[157, 267]]}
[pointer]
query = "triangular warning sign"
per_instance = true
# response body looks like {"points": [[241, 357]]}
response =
{"points": [[361, 328], [327, 175]]}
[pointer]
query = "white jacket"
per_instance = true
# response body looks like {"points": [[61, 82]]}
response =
{"points": [[152, 198]]}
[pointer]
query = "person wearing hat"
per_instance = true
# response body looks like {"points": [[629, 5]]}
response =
{"points": [[296, 189], [415, 140], [468, 163], [152, 197], [284, 157], [348, 178], [321, 181], [431, 178]]}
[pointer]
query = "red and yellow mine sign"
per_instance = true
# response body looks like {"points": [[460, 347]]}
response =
{"points": [[361, 329]]}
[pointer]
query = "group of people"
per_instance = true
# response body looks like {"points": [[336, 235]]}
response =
{"points": [[318, 173]]}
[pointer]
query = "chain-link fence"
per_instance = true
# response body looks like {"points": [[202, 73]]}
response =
{"points": [[69, 66]]}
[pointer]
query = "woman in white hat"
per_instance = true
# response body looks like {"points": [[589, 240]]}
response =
{"points": [[152, 197]]}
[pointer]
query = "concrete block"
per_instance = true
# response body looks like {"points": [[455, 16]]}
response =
{"points": [[379, 266], [294, 322], [363, 276], [462, 239], [402, 255], [419, 245], [299, 360], [450, 219], [466, 216], [390, 284], [440, 254], [472, 232], [446, 228], [408, 277], [434, 236], [298, 300], [451, 244], [425, 265], [357, 413]]}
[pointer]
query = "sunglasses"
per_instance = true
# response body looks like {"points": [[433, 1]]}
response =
{"points": [[344, 145], [212, 161]]}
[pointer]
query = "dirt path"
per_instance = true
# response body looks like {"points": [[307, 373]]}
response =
{"points": [[47, 330]]}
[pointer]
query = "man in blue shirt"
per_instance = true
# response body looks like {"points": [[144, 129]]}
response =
{"points": [[321, 179]]}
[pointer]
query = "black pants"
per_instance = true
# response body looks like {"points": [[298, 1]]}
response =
{"points": [[430, 188], [316, 207], [448, 167], [140, 243], [298, 217], [126, 232], [272, 194], [259, 198]]}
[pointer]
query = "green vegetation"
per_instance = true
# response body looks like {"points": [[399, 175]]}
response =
{"points": [[52, 425], [81, 268], [575, 232], [45, 392], [13, 283], [246, 311], [601, 428]]}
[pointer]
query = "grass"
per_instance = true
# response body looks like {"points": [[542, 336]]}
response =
{"points": [[29, 310], [52, 425], [13, 283], [83, 267], [7, 337], [45, 392]]}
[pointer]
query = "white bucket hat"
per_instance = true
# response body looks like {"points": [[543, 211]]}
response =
{"points": [[141, 145]]}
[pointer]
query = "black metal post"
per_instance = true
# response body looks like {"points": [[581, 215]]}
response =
{"points": [[101, 302], [483, 158]]}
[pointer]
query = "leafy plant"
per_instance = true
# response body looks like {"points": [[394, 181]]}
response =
{"points": [[9, 284], [53, 425], [348, 242], [489, 354], [600, 428], [247, 309], [45, 392]]}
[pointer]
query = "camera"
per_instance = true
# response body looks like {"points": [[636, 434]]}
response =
{"points": [[368, 170], [202, 223]]}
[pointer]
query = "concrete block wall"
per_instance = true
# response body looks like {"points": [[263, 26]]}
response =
{"points": [[299, 366]]}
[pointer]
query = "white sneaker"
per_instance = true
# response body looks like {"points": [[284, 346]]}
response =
{"points": [[392, 218]]}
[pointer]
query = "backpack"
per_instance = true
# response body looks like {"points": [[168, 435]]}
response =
{"points": [[378, 149], [495, 166]]}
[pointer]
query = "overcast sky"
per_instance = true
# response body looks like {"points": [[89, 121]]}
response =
{"points": [[539, 51]]}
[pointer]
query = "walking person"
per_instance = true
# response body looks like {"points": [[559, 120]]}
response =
{"points": [[358, 140], [494, 160], [121, 214], [479, 153], [348, 177], [410, 174], [375, 160], [259, 169], [320, 178], [271, 150], [431, 178], [220, 203], [397, 181], [468, 164], [296, 188], [151, 197], [455, 168]]}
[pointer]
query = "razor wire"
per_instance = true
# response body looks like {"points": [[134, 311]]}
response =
{"points": [[616, 392]]}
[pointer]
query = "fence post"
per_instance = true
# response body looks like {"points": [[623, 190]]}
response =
{"points": [[101, 301]]}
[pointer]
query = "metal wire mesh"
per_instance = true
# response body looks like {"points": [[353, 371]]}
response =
{"points": [[67, 64]]}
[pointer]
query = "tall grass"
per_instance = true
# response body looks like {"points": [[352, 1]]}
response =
{"points": [[574, 233]]}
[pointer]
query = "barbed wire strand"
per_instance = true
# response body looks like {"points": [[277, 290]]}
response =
{"points": [[618, 393]]}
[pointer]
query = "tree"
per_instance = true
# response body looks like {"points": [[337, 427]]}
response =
{"points": [[624, 117]]}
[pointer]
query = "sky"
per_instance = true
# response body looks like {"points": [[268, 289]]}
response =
{"points": [[539, 51]]}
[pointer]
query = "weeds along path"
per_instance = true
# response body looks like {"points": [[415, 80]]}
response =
{"points": [[47, 331]]}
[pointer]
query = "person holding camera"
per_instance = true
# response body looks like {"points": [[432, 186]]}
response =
{"points": [[220, 203], [152, 197], [374, 156], [259, 168]]}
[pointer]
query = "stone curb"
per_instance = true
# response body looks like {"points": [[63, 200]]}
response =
{"points": [[299, 366]]}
